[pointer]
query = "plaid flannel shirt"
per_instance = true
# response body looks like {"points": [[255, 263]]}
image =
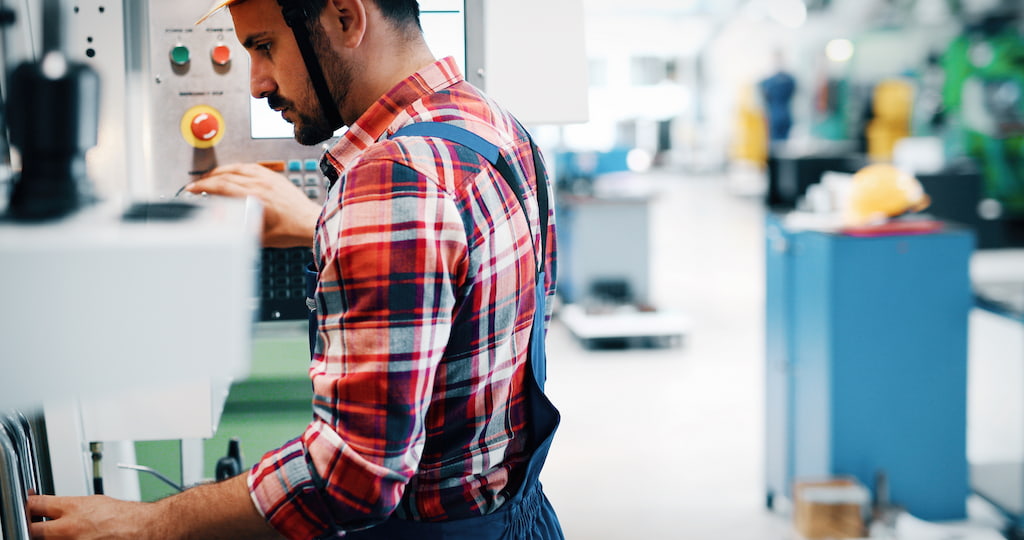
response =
{"points": [[424, 302]]}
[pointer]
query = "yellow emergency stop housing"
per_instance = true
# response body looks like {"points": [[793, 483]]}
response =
{"points": [[186, 126]]}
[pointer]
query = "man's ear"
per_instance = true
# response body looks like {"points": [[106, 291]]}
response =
{"points": [[346, 19]]}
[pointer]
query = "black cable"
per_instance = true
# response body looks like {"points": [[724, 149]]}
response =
{"points": [[149, 470], [295, 16]]}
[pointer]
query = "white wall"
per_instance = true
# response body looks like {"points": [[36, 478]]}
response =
{"points": [[535, 61]]}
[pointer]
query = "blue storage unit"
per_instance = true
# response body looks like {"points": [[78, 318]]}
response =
{"points": [[866, 345]]}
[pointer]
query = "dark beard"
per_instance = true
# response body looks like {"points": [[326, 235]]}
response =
{"points": [[311, 130]]}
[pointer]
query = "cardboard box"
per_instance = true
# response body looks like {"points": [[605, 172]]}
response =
{"points": [[830, 508]]}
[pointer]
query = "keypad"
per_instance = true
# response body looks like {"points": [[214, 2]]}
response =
{"points": [[282, 271], [283, 282]]}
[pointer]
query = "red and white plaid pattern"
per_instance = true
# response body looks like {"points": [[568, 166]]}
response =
{"points": [[425, 301]]}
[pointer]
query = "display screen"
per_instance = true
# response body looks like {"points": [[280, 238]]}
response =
{"points": [[444, 29]]}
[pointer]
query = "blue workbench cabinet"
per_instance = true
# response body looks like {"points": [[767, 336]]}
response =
{"points": [[866, 349]]}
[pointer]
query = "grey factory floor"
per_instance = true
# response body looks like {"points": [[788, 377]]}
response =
{"points": [[660, 443]]}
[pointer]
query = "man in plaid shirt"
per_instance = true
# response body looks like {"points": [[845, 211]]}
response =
{"points": [[429, 419]]}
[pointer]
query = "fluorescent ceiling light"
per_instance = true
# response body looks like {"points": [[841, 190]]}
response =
{"points": [[839, 50]]}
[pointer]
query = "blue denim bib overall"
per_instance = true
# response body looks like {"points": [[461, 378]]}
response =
{"points": [[528, 515]]}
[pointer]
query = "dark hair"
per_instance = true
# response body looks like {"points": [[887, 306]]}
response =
{"points": [[403, 13]]}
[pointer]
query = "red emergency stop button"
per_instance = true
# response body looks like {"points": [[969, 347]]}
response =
{"points": [[205, 126], [220, 54], [202, 126]]}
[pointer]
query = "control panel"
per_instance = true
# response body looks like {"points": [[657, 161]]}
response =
{"points": [[176, 104], [201, 116], [199, 109]]}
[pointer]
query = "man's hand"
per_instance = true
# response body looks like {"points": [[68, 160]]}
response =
{"points": [[222, 510], [90, 517], [289, 217]]}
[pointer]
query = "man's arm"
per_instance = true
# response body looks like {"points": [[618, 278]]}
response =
{"points": [[289, 216], [210, 511]]}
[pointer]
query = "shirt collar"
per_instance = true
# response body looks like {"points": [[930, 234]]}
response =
{"points": [[381, 118]]}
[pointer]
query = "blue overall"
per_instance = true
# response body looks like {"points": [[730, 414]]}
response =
{"points": [[527, 515]]}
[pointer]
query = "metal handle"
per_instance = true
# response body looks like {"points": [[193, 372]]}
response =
{"points": [[18, 430], [13, 520]]}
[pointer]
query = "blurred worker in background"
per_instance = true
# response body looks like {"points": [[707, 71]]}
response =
{"points": [[429, 420], [777, 91]]}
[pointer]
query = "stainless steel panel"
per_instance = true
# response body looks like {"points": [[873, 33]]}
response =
{"points": [[171, 90]]}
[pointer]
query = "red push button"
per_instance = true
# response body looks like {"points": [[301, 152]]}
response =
{"points": [[221, 55], [202, 126], [205, 126]]}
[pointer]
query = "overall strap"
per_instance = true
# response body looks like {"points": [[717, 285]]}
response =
{"points": [[492, 154], [537, 363], [528, 513]]}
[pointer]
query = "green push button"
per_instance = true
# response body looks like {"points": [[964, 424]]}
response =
{"points": [[179, 55]]}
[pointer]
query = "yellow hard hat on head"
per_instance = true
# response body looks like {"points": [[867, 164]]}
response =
{"points": [[215, 7], [882, 191]]}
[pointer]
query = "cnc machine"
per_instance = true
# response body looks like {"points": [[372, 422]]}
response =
{"points": [[127, 315]]}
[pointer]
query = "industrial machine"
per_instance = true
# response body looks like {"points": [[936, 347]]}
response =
{"points": [[984, 94], [174, 104], [87, 311], [192, 83], [155, 295]]}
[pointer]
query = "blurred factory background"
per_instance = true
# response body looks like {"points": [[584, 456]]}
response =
{"points": [[791, 270], [741, 317]]}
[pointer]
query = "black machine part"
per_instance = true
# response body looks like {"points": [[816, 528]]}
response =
{"points": [[230, 465], [7, 18], [52, 112], [53, 115]]}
